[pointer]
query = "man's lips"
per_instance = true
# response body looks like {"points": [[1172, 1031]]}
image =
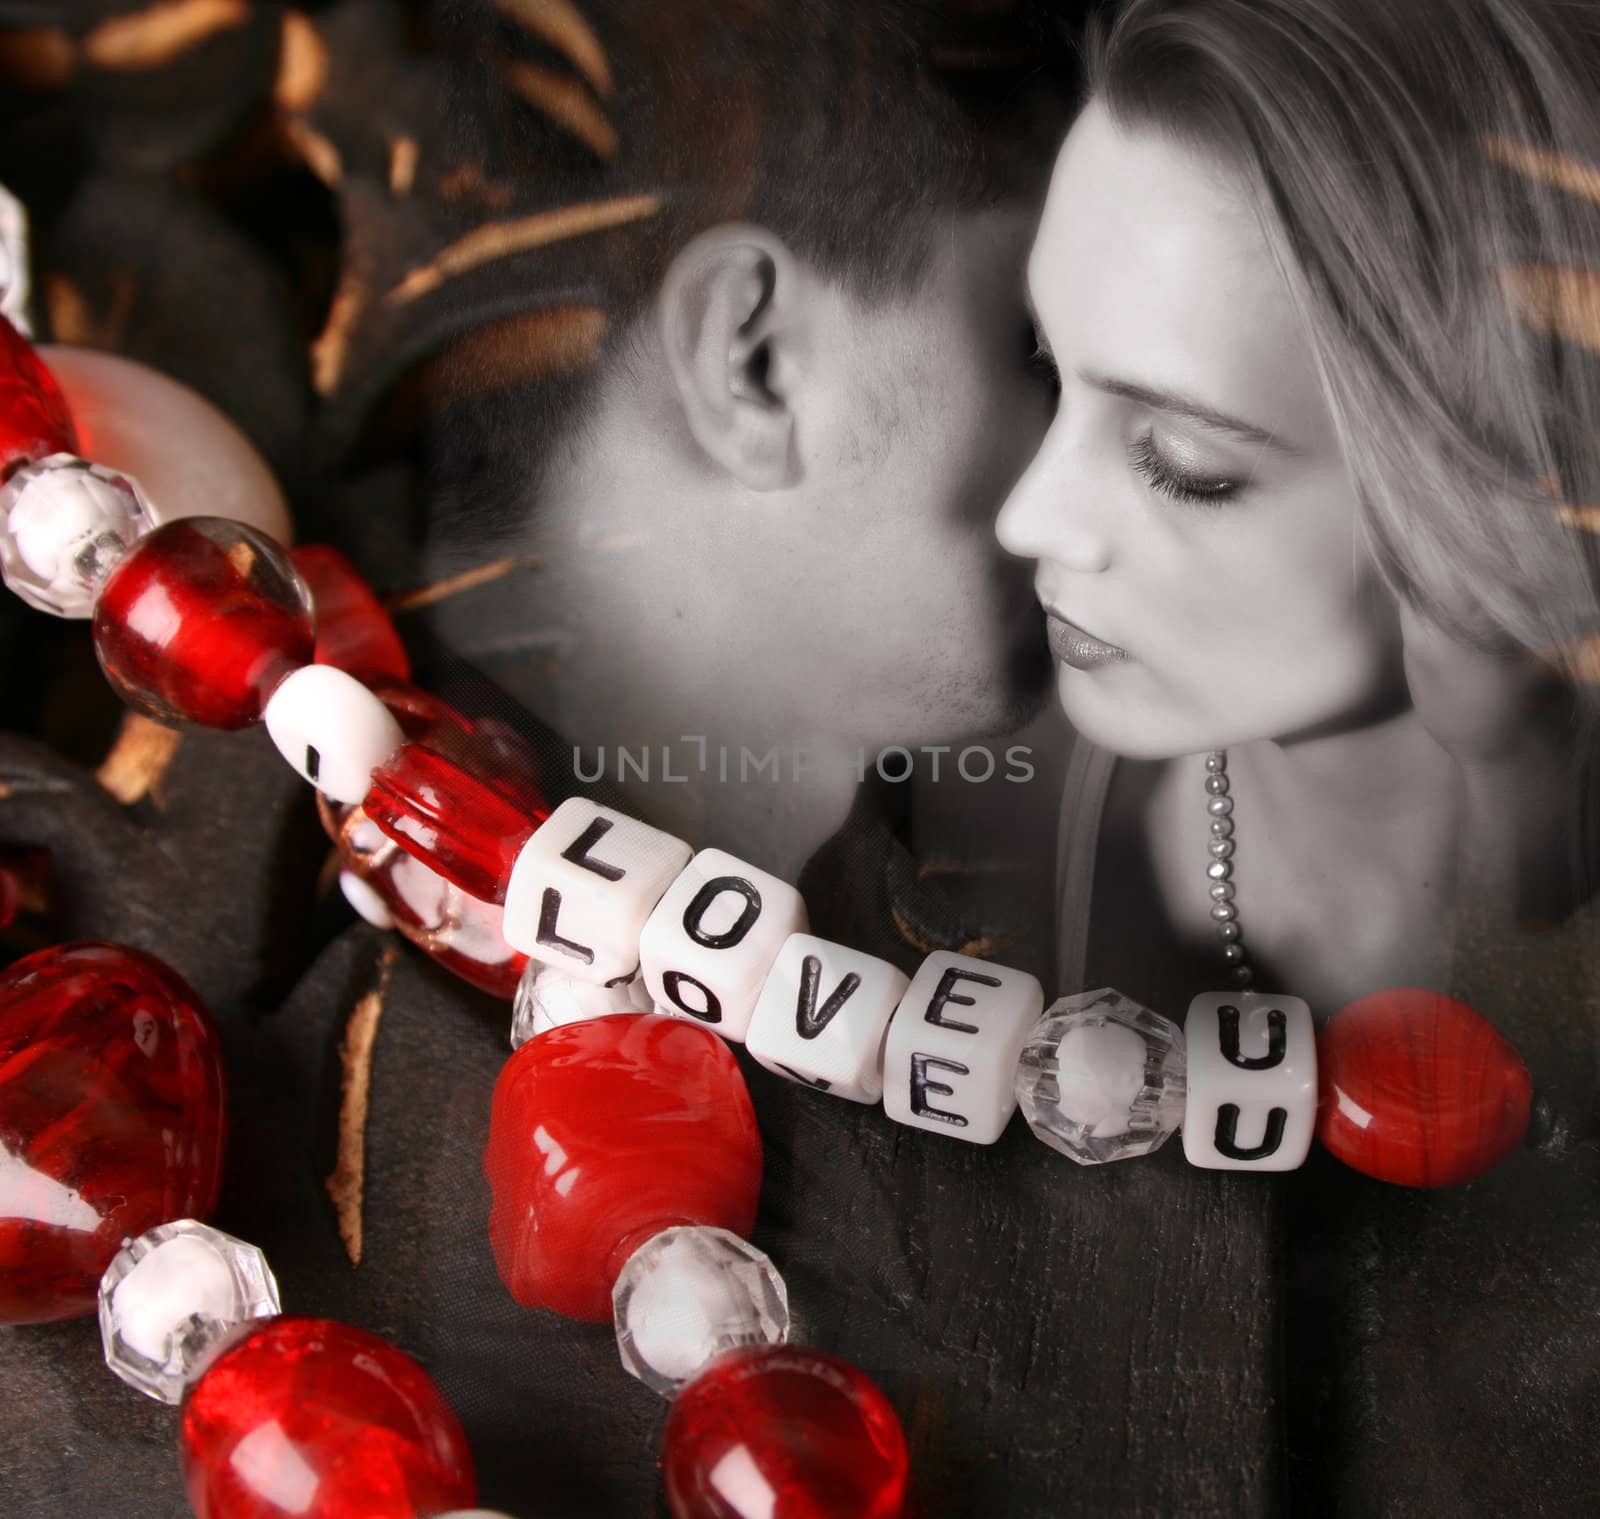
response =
{"points": [[1073, 646]]}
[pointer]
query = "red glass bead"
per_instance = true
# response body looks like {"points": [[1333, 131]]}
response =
{"points": [[470, 943], [201, 621], [782, 1432], [485, 747], [503, 757], [112, 1118], [423, 717], [353, 630], [316, 1419], [34, 418], [602, 1133], [1418, 1089], [461, 826], [460, 931], [463, 934]]}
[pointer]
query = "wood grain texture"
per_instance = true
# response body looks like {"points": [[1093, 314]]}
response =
{"points": [[562, 26], [346, 1182], [497, 240], [566, 103], [135, 764], [159, 34]]}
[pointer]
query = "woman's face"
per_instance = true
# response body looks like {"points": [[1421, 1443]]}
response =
{"points": [[1190, 509]]}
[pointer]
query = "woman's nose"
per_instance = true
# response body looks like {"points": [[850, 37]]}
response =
{"points": [[1053, 513]]}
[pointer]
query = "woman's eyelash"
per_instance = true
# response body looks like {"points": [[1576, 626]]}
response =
{"points": [[1043, 362], [1194, 490], [1039, 357]]}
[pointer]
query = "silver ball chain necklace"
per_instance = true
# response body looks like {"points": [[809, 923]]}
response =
{"points": [[1219, 873]]}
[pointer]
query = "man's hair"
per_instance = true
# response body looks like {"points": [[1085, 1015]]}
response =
{"points": [[1426, 178], [852, 131], [874, 128]]}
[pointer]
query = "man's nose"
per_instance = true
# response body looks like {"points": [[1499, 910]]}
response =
{"points": [[1054, 512]]}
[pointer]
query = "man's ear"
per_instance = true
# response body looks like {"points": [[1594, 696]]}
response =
{"points": [[734, 312]]}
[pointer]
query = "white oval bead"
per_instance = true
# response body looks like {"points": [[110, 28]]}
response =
{"points": [[331, 730], [1101, 1078], [366, 901], [689, 1293], [64, 525], [15, 278], [1102, 1072], [189, 458], [184, 1276], [172, 1299]]}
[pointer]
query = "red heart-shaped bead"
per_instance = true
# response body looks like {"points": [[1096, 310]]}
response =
{"points": [[603, 1132], [112, 1118], [1418, 1089]]}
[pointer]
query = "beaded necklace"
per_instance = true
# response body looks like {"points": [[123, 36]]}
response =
{"points": [[623, 1151]]}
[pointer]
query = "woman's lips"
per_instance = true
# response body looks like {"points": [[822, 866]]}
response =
{"points": [[1072, 646]]}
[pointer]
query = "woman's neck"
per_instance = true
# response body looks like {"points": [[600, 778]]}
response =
{"points": [[1364, 855], [1370, 774]]}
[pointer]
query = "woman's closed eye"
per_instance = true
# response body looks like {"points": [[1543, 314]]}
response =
{"points": [[1177, 479]]}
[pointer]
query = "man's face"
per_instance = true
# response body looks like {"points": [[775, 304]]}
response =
{"points": [[902, 618], [864, 601]]}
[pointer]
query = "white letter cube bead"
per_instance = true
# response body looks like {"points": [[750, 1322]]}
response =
{"points": [[1252, 1100], [950, 1061], [709, 944], [821, 1017], [583, 887], [332, 730]]}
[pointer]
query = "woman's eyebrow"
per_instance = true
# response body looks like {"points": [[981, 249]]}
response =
{"points": [[1194, 411]]}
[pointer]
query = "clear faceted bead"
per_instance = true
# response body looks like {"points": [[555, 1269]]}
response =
{"points": [[547, 997], [1102, 1078], [688, 1294], [176, 1297], [64, 525]]}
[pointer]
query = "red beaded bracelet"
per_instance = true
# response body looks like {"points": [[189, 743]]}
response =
{"points": [[623, 1152]]}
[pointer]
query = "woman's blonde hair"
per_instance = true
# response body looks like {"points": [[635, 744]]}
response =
{"points": [[1429, 176]]}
